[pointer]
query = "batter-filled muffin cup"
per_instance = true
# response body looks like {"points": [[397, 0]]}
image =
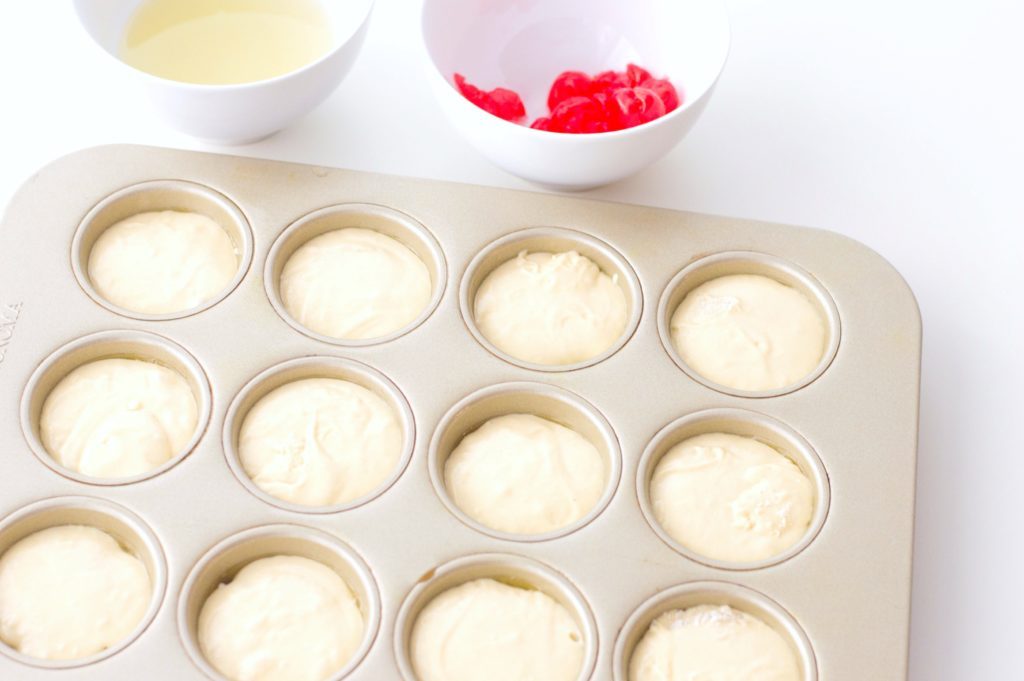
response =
{"points": [[749, 324], [281, 603], [733, 489], [318, 434], [80, 579], [713, 630], [355, 274], [116, 407], [551, 299], [162, 249], [524, 461], [495, 616]]}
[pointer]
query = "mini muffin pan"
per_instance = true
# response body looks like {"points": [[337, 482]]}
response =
{"points": [[841, 596]]}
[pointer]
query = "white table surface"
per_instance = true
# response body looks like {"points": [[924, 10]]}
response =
{"points": [[897, 123]]}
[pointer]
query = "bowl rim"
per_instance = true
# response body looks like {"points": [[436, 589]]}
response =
{"points": [[340, 42], [440, 79]]}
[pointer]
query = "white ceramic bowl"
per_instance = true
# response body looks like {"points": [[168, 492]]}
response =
{"points": [[236, 114], [525, 44]]}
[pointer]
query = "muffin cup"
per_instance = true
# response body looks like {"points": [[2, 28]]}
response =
{"points": [[316, 367], [222, 562], [551, 240], [120, 344], [748, 262], [712, 593], [159, 195], [387, 221], [762, 428], [124, 526], [547, 402], [510, 569]]}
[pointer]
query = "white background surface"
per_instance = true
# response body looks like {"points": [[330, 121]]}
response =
{"points": [[898, 123]]}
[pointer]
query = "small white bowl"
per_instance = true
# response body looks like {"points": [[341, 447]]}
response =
{"points": [[244, 112], [525, 44]]}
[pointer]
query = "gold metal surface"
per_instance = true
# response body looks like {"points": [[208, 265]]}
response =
{"points": [[847, 590]]}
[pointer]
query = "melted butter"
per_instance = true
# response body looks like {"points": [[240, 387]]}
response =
{"points": [[219, 42]]}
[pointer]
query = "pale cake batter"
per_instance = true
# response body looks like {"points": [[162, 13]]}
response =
{"points": [[283, 618], [69, 592], [550, 308], [713, 643], [732, 498], [485, 629], [354, 284], [523, 474], [162, 262], [749, 332], [320, 442], [115, 418]]}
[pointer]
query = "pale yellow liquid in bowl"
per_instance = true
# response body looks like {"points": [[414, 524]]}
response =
{"points": [[219, 42]]}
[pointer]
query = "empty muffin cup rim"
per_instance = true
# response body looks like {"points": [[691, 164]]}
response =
{"points": [[814, 290], [246, 249], [143, 533], [436, 265], [202, 392], [632, 288]]}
